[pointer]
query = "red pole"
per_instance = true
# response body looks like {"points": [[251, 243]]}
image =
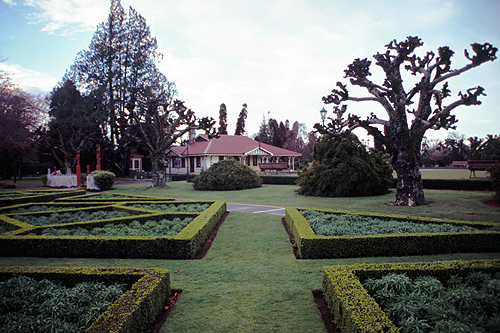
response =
{"points": [[78, 171], [88, 169], [98, 166]]}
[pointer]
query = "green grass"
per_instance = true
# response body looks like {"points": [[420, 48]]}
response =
{"points": [[250, 280], [459, 205]]}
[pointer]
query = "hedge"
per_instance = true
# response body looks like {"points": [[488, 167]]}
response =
{"points": [[430, 184], [354, 310], [111, 198], [312, 246], [21, 197], [135, 310], [184, 245]]}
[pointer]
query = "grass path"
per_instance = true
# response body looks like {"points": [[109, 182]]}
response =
{"points": [[249, 281]]}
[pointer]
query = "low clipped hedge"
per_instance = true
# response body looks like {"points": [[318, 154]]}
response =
{"points": [[111, 198], [312, 246], [354, 310], [135, 310], [184, 245], [20, 197]]}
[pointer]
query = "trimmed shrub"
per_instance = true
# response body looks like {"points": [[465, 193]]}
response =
{"points": [[344, 168], [494, 172], [104, 179], [227, 175]]}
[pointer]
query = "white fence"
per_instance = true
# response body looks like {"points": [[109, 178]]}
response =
{"points": [[61, 180]]}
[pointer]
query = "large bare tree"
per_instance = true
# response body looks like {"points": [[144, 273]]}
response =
{"points": [[410, 113]]}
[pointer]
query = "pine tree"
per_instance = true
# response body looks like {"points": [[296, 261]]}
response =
{"points": [[240, 124], [222, 119]]}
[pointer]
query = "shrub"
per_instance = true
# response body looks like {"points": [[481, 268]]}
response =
{"points": [[343, 167], [494, 172], [104, 179], [227, 175]]}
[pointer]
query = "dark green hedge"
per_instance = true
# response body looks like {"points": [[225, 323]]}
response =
{"points": [[354, 310], [311, 246], [135, 310], [184, 245], [431, 184]]}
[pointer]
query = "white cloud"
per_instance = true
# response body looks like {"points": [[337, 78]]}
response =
{"points": [[65, 17], [31, 81], [10, 3]]}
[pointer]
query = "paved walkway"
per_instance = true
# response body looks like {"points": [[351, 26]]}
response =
{"points": [[255, 209]]}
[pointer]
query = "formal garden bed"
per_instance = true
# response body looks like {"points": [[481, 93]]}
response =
{"points": [[448, 296], [19, 197], [111, 197], [143, 229], [81, 299], [341, 234]]}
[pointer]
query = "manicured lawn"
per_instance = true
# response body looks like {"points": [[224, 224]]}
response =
{"points": [[459, 205], [250, 280]]}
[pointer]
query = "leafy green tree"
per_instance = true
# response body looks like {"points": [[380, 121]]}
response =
{"points": [[72, 125], [342, 167], [490, 148], [410, 113]]}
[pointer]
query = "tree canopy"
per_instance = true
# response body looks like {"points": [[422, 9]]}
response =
{"points": [[409, 112]]}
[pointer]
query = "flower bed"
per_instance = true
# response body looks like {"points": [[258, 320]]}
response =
{"points": [[312, 246], [137, 308], [353, 308], [182, 241]]}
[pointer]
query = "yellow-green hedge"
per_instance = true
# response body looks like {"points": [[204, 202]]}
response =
{"points": [[312, 246], [354, 310], [134, 311], [121, 197], [184, 245], [37, 196]]}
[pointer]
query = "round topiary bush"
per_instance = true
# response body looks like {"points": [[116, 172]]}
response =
{"points": [[227, 175], [343, 167], [104, 179]]}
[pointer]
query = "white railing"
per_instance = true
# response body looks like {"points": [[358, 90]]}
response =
{"points": [[61, 180]]}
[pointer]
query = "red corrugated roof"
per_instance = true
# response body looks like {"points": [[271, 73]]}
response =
{"points": [[231, 145]]}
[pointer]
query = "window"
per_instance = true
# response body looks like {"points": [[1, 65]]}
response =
{"points": [[255, 160], [221, 158], [183, 163], [136, 164], [198, 161]]}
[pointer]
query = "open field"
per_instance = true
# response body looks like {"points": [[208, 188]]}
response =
{"points": [[250, 280]]}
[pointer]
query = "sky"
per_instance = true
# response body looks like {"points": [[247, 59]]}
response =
{"points": [[280, 57]]}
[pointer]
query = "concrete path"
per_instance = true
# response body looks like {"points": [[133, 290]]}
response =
{"points": [[255, 209]]}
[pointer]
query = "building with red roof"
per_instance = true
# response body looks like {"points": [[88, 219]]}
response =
{"points": [[202, 152]]}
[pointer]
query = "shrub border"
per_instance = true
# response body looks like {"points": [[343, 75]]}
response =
{"points": [[39, 196], [137, 308], [354, 310], [129, 197], [184, 245], [312, 246]]}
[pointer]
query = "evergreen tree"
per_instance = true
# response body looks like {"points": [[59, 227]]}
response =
{"points": [[222, 119], [264, 134], [117, 71], [240, 124]]}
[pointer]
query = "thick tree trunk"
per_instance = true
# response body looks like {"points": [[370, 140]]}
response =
{"points": [[409, 188], [158, 171]]}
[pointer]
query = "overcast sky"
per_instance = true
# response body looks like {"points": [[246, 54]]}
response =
{"points": [[279, 56]]}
